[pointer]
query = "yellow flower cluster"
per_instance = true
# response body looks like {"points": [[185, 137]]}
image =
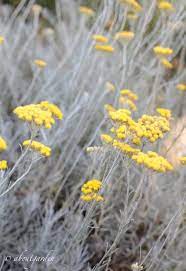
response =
{"points": [[124, 36], [40, 63], [3, 144], [100, 38], [37, 146], [104, 48], [90, 191], [162, 51], [40, 114], [164, 112], [167, 64], [127, 131], [183, 160], [3, 165], [129, 94], [181, 87], [152, 161], [87, 11], [165, 5]]}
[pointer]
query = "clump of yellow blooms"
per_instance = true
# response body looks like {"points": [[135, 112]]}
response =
{"points": [[3, 144], [167, 64], [100, 38], [37, 146], [152, 161], [124, 36], [181, 87], [90, 191], [164, 112], [128, 133], [129, 93], [87, 11], [3, 165], [183, 160], [41, 114], [40, 63], [162, 51], [104, 48], [1, 39], [165, 6], [132, 4]]}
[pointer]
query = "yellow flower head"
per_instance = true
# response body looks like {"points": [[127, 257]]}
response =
{"points": [[40, 63], [167, 64], [38, 147], [181, 87], [39, 114], [109, 108], [183, 160], [106, 138], [162, 51], [164, 112], [90, 191], [124, 36], [87, 11], [104, 48], [165, 6], [3, 144], [1, 39], [100, 38], [3, 165]]}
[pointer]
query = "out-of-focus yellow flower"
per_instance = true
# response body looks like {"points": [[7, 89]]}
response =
{"points": [[3, 144], [100, 38], [165, 5], [90, 191], [3, 165], [132, 16], [167, 64], [129, 93], [183, 160], [110, 87], [164, 112], [1, 39], [38, 146], [104, 48], [162, 51], [87, 11], [181, 87], [133, 4], [106, 138], [40, 63], [109, 108], [124, 36]]}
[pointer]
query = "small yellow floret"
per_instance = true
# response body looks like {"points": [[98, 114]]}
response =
{"points": [[90, 191], [124, 35], [106, 138], [162, 51], [37, 146], [164, 112], [3, 165], [3, 144], [104, 48], [167, 64], [100, 38], [165, 5], [40, 63]]}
